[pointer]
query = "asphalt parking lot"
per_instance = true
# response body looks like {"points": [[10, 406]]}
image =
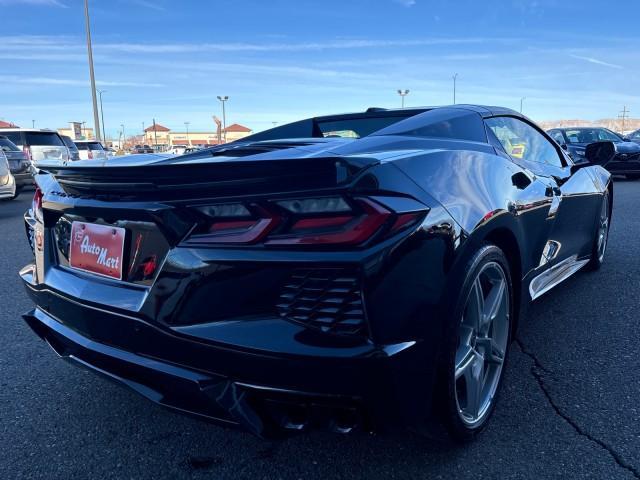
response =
{"points": [[570, 407]]}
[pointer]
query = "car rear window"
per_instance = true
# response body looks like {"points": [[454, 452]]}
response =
{"points": [[93, 146], [14, 137], [44, 138], [450, 123], [7, 145]]}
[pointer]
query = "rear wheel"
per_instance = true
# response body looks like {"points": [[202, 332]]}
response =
{"points": [[480, 333], [602, 233]]}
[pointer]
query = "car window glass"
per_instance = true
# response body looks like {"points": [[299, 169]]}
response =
{"points": [[557, 136], [635, 135], [43, 138], [14, 137], [95, 146], [522, 141], [454, 123], [8, 146]]}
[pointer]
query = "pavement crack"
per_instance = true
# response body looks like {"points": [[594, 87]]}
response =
{"points": [[538, 371]]}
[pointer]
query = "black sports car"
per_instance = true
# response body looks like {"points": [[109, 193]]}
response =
{"points": [[575, 140], [348, 271]]}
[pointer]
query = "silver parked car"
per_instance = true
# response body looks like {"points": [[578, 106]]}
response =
{"points": [[7, 182], [38, 145], [91, 150]]}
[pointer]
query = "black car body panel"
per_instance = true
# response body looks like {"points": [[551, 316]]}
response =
{"points": [[275, 332], [626, 161]]}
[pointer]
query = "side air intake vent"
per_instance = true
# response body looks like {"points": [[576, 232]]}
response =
{"points": [[327, 299]]}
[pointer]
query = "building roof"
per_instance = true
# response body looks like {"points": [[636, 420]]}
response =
{"points": [[236, 127], [4, 124], [157, 128]]}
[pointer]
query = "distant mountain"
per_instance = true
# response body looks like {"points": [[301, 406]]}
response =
{"points": [[615, 124]]}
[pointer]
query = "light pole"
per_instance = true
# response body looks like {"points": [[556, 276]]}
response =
{"points": [[403, 93], [96, 120], [84, 131], [521, 102], [123, 137], [223, 99], [455, 77], [186, 124], [33, 124], [104, 135]]}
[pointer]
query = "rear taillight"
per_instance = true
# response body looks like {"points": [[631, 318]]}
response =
{"points": [[307, 221], [36, 205], [27, 152]]}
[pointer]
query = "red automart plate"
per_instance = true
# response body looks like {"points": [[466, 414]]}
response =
{"points": [[97, 249]]}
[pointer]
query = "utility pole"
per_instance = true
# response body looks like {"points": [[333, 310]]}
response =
{"points": [[104, 135], [521, 102], [186, 124], [33, 124], [96, 119], [84, 131], [123, 137], [144, 135], [403, 93], [624, 114], [455, 77], [155, 134], [223, 99]]}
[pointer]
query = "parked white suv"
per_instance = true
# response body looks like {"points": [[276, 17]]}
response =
{"points": [[91, 150], [38, 145]]}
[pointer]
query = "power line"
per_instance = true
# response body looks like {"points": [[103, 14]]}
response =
{"points": [[624, 114]]}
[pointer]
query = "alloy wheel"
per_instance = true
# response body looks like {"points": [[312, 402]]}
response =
{"points": [[483, 336]]}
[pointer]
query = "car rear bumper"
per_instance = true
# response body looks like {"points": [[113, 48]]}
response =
{"points": [[23, 179], [285, 383]]}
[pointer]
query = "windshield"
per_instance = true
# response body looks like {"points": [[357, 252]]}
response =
{"points": [[591, 135]]}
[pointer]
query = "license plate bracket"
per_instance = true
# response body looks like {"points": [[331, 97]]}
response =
{"points": [[97, 249]]}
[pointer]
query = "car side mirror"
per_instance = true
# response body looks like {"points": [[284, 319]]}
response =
{"points": [[600, 153]]}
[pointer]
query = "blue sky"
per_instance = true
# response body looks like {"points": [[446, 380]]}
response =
{"points": [[281, 60]]}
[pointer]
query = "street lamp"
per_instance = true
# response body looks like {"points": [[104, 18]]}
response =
{"points": [[96, 120], [104, 135], [186, 124], [455, 77], [521, 102], [223, 99], [403, 93]]}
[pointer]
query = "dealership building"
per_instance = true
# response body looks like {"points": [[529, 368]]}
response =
{"points": [[164, 137]]}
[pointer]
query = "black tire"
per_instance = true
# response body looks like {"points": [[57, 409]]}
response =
{"points": [[597, 252], [447, 404], [15, 195], [633, 176]]}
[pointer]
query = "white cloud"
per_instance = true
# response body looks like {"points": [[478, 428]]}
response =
{"points": [[597, 62], [151, 5], [406, 3], [39, 3], [50, 81]]}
